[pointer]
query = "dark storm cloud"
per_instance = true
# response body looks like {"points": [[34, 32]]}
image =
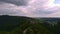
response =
{"points": [[16, 2]]}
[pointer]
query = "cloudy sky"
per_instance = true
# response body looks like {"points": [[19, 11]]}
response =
{"points": [[30, 8]]}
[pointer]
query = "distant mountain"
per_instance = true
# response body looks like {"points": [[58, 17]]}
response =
{"points": [[46, 20], [52, 19]]}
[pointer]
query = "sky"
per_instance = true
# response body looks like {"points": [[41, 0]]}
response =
{"points": [[57, 1], [30, 8]]}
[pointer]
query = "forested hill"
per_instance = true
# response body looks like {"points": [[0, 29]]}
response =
{"points": [[13, 19], [27, 25], [8, 23]]}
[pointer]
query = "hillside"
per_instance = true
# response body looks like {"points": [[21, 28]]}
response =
{"points": [[53, 24], [27, 25], [11, 22]]}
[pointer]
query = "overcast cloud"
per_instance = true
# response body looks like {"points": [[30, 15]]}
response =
{"points": [[30, 8], [16, 2]]}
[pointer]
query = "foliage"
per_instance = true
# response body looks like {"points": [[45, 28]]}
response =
{"points": [[26, 25]]}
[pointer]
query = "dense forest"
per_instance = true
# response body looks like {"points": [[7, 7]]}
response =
{"points": [[28, 25]]}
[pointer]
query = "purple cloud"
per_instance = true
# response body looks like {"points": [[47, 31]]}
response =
{"points": [[34, 8]]}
